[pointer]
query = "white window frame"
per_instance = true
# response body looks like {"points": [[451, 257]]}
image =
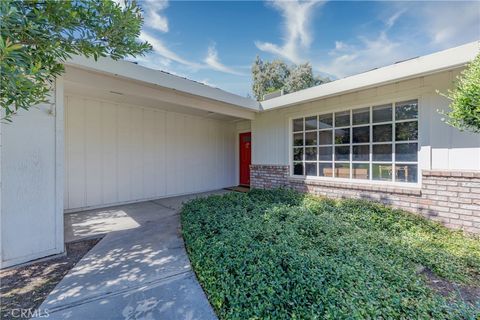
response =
{"points": [[370, 162]]}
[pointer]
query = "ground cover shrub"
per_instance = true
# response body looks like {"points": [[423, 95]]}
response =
{"points": [[279, 254]]}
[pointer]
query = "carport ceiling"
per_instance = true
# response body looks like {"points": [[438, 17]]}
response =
{"points": [[132, 92], [72, 88]]}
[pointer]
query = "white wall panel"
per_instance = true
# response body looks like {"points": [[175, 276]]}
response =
{"points": [[109, 152], [119, 153], [31, 219], [125, 151], [75, 149], [93, 156], [441, 146]]}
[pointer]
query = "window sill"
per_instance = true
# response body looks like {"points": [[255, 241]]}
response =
{"points": [[414, 191]]}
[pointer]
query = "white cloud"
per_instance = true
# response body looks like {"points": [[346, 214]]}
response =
{"points": [[162, 52], [153, 14], [297, 34], [428, 28], [449, 24], [214, 63], [369, 54], [162, 58], [393, 18]]}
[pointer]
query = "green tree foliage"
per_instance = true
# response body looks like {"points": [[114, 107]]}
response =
{"points": [[464, 112], [38, 36], [270, 76]]}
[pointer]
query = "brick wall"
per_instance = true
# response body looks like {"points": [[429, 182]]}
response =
{"points": [[450, 197]]}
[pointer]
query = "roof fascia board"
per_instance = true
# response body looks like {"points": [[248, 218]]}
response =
{"points": [[131, 70], [107, 83], [418, 67]]}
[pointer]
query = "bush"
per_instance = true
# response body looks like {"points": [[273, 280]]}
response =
{"points": [[464, 111], [281, 255]]}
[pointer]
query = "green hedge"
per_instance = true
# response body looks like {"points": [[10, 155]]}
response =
{"points": [[282, 255]]}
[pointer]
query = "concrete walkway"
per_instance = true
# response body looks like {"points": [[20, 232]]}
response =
{"points": [[139, 270]]}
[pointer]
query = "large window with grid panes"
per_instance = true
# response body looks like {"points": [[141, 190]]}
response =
{"points": [[376, 143]]}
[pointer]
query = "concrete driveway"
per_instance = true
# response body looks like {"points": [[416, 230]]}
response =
{"points": [[139, 270]]}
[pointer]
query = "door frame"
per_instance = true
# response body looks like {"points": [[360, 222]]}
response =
{"points": [[237, 154], [239, 162]]}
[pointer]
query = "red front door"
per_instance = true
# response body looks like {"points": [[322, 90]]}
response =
{"points": [[245, 157]]}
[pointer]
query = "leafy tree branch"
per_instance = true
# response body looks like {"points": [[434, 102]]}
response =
{"points": [[36, 37], [464, 112], [277, 75]]}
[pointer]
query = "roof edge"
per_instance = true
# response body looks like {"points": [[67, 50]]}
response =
{"points": [[424, 65], [133, 71]]}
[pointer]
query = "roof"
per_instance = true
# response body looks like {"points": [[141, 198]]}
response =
{"points": [[412, 68], [404, 70], [129, 70]]}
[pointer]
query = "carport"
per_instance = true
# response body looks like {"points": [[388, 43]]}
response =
{"points": [[114, 133]]}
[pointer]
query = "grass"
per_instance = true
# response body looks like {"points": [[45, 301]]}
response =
{"points": [[282, 255]]}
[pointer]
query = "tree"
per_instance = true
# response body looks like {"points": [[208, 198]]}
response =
{"points": [[277, 75], [37, 36], [301, 77], [268, 76], [464, 112]]}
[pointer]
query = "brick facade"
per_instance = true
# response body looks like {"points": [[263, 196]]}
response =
{"points": [[450, 197]]}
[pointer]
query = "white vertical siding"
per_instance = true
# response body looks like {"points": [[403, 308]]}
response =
{"points": [[31, 220], [441, 146], [450, 148], [119, 153], [93, 156], [108, 151]]}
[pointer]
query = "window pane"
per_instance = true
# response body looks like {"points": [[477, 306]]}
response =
{"points": [[311, 168], [406, 110], [298, 168], [325, 153], [325, 169], [311, 153], [382, 152], [406, 152], [361, 116], [342, 136], [360, 153], [406, 131], [298, 139], [382, 113], [325, 137], [298, 124], [361, 134], [311, 123], [297, 154], [382, 133], [325, 121], [342, 170], [382, 172], [342, 153], [310, 138], [360, 170], [342, 119], [406, 172]]}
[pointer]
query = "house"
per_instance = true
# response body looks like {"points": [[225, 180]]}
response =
{"points": [[116, 132]]}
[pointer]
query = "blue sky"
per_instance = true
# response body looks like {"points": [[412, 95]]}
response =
{"points": [[216, 42]]}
